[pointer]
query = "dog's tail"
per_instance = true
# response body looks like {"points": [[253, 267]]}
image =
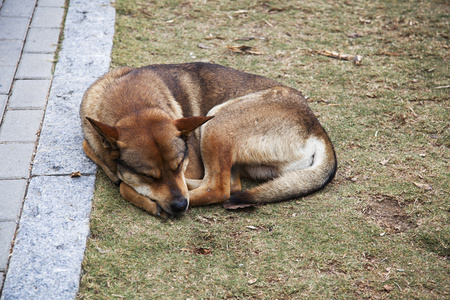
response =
{"points": [[292, 184]]}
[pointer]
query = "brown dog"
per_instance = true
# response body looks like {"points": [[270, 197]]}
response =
{"points": [[138, 122]]}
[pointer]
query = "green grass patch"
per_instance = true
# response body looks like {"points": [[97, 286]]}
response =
{"points": [[378, 230]]}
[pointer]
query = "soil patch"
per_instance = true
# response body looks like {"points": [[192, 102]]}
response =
{"points": [[388, 213]]}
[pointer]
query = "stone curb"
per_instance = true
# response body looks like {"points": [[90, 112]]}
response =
{"points": [[54, 225]]}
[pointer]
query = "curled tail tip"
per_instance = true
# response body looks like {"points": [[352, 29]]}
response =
{"points": [[238, 200]]}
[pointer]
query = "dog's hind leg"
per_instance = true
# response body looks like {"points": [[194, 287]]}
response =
{"points": [[298, 178], [235, 180]]}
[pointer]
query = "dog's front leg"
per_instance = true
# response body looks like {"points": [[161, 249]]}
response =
{"points": [[215, 186], [129, 194], [215, 192]]}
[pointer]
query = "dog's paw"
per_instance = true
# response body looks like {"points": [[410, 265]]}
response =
{"points": [[162, 213]]}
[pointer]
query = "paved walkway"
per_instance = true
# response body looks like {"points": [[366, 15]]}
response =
{"points": [[44, 211]]}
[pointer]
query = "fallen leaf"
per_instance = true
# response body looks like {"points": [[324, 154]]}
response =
{"points": [[203, 251], [413, 112], [424, 186], [276, 9], [388, 288], [384, 162], [102, 251], [333, 54], [443, 87], [245, 50], [148, 14], [268, 23], [388, 53], [75, 174], [251, 227], [358, 60], [354, 35], [217, 37], [247, 38], [230, 205], [202, 46]]}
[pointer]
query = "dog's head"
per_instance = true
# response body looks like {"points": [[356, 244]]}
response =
{"points": [[151, 153]]}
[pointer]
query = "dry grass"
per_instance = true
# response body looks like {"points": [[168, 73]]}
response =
{"points": [[379, 230]]}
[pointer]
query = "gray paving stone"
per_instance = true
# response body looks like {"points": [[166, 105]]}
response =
{"points": [[21, 125], [15, 8], [7, 230], [10, 52], [51, 239], [12, 192], [35, 66], [13, 28], [3, 100], [48, 17], [15, 160], [42, 40], [6, 78], [29, 94], [57, 3]]}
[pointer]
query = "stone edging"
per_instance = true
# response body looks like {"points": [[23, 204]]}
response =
{"points": [[54, 225]]}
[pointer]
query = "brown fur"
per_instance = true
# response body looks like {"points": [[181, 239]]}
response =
{"points": [[138, 126]]}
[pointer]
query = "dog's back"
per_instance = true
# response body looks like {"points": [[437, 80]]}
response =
{"points": [[192, 89], [205, 85]]}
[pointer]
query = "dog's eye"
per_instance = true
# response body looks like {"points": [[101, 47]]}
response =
{"points": [[179, 165], [149, 177]]}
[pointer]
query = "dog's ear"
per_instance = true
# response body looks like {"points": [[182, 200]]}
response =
{"points": [[186, 125], [109, 134]]}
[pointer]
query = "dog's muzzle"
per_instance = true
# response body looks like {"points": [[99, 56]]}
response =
{"points": [[179, 205]]}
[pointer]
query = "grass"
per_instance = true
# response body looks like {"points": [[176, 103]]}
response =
{"points": [[378, 231]]}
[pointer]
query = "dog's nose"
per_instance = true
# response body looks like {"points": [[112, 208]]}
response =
{"points": [[179, 205]]}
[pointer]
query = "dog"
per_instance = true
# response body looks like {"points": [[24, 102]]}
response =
{"points": [[180, 135]]}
